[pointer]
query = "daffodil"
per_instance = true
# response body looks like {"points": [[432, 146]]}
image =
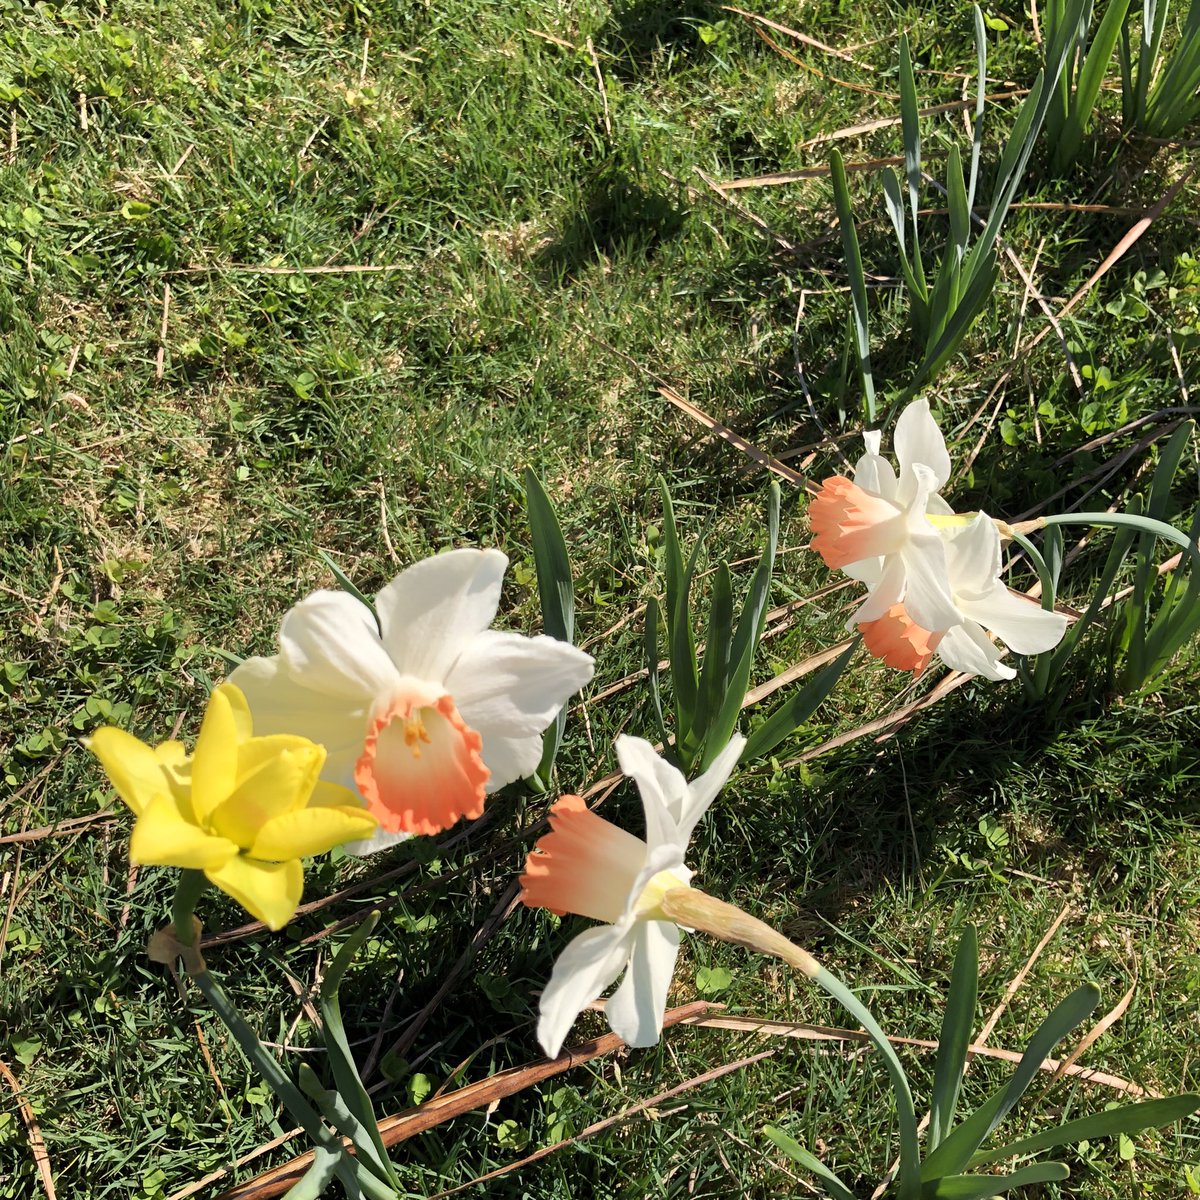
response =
{"points": [[883, 528], [243, 809], [588, 866], [933, 575], [426, 711], [983, 603]]}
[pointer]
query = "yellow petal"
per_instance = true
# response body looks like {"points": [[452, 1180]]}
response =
{"points": [[132, 767], [311, 831], [163, 837], [257, 752], [171, 754], [214, 763], [176, 767], [281, 784], [333, 795], [268, 891], [240, 709]]}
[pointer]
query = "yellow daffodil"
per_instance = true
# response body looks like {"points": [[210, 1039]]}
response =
{"points": [[242, 809]]}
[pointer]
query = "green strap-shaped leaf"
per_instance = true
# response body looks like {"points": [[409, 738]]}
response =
{"points": [[976, 1187], [955, 1037], [720, 726], [1131, 1118], [911, 135], [556, 594], [797, 708], [974, 296], [858, 282], [347, 584], [681, 644], [957, 1148], [718, 643], [317, 1178], [1091, 76], [341, 1059], [908, 1174], [980, 95], [650, 644], [810, 1162]]}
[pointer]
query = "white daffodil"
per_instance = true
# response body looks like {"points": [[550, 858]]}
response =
{"points": [[588, 866], [983, 603], [426, 712], [877, 527]]}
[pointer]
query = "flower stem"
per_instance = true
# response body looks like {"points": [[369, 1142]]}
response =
{"points": [[697, 910], [280, 1083], [192, 885], [1133, 520]]}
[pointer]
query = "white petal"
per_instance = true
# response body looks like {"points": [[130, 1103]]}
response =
{"points": [[873, 472], [431, 610], [888, 591], [1021, 623], [662, 788], [866, 570], [635, 1010], [514, 686], [380, 840], [918, 440], [279, 703], [703, 791], [510, 759], [967, 648], [927, 596], [328, 642], [973, 557], [584, 969]]}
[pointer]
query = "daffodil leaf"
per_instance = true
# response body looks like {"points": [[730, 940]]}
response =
{"points": [[556, 593]]}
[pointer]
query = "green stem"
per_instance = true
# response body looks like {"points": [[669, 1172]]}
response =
{"points": [[278, 1080], [192, 885], [908, 1179], [1039, 565], [1116, 520], [697, 910]]}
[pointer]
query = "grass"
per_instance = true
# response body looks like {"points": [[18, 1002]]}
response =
{"points": [[548, 253]]}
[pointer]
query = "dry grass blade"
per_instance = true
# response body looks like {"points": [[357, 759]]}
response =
{"points": [[831, 1033], [483, 935], [1105, 1023], [1131, 236], [798, 671], [803, 38], [36, 1145], [609, 1122], [446, 1107], [785, 244], [1018, 979], [889, 723], [799, 62], [850, 131], [71, 825], [736, 440], [820, 172]]}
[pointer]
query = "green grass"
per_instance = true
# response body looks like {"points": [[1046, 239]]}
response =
{"points": [[541, 273]]}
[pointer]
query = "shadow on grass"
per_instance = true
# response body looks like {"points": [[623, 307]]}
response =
{"points": [[619, 218], [642, 30]]}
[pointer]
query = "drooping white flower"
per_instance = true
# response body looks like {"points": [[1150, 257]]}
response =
{"points": [[877, 528], [426, 712], [975, 564], [588, 866], [934, 576]]}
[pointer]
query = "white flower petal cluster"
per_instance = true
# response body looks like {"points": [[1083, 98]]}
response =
{"points": [[588, 866], [427, 711], [933, 577]]}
